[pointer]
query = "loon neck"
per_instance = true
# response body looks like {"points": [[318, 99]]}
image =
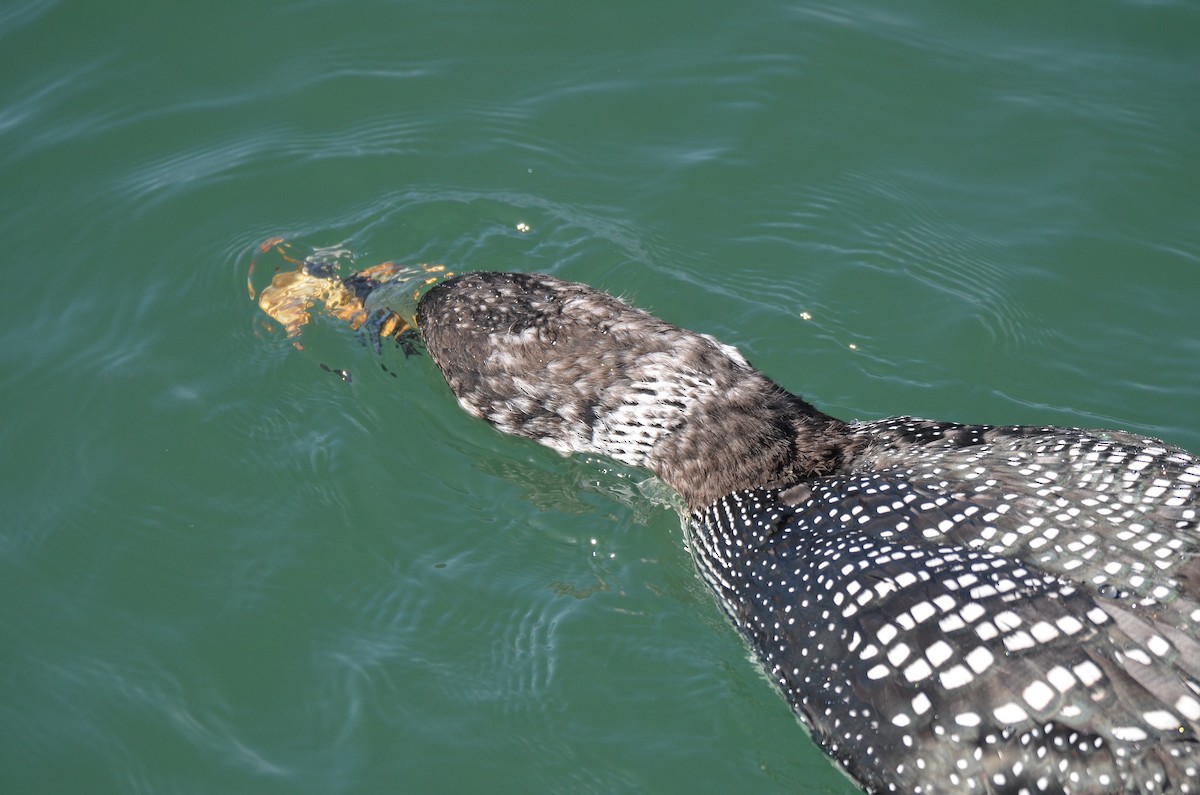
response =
{"points": [[583, 372], [755, 436]]}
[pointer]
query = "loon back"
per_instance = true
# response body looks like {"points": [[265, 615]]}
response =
{"points": [[946, 607]]}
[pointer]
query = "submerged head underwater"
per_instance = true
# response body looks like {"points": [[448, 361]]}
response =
{"points": [[945, 607]]}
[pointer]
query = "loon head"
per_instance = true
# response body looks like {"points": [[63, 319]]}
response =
{"points": [[583, 372]]}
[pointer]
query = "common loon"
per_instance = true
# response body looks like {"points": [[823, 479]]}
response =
{"points": [[946, 607]]}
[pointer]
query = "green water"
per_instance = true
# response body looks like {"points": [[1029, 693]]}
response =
{"points": [[225, 569]]}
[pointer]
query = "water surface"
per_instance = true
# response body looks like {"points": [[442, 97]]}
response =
{"points": [[223, 568]]}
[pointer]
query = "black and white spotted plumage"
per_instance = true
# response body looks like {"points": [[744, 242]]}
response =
{"points": [[947, 608]]}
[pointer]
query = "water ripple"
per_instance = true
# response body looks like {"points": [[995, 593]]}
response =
{"points": [[16, 15]]}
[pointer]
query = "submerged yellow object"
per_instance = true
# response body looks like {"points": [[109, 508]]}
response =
{"points": [[383, 296]]}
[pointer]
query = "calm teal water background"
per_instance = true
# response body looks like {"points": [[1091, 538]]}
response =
{"points": [[223, 569]]}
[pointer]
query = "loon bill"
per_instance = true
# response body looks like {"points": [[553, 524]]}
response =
{"points": [[947, 608]]}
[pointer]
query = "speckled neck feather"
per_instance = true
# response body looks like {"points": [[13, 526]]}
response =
{"points": [[947, 608], [583, 372]]}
